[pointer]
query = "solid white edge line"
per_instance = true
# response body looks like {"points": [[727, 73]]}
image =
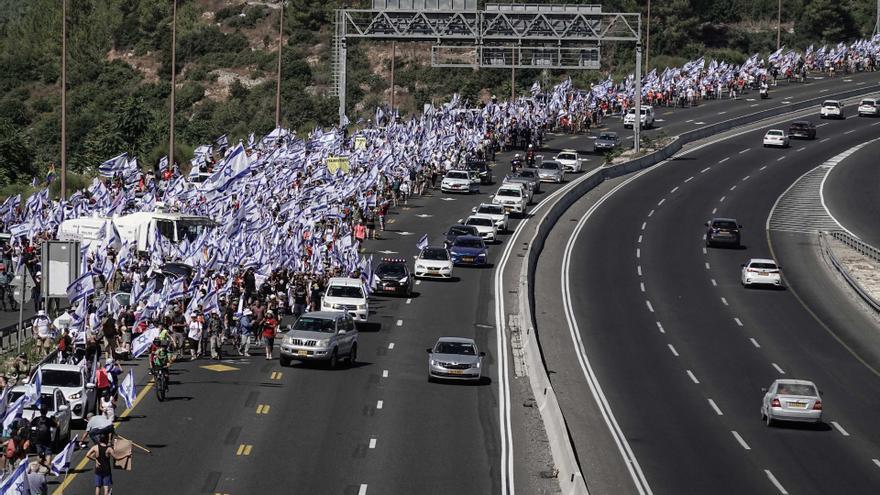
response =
{"points": [[839, 158], [840, 428], [778, 369], [715, 407], [692, 376], [740, 440], [775, 482]]}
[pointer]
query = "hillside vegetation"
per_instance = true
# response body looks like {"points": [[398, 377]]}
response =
{"points": [[119, 67]]}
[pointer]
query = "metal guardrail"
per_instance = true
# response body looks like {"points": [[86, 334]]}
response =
{"points": [[9, 335], [860, 247]]}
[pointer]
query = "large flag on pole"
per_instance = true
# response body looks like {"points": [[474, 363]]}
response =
{"points": [[61, 462], [127, 388]]}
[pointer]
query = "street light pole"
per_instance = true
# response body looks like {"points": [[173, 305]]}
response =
{"points": [[393, 57], [648, 38], [278, 76], [63, 100], [637, 123], [173, 77], [778, 24], [877, 23]]}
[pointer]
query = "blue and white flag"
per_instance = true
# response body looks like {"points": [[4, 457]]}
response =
{"points": [[142, 343], [127, 389], [17, 482], [81, 288], [113, 165], [423, 242], [61, 462], [14, 411], [236, 165], [222, 141], [35, 389]]}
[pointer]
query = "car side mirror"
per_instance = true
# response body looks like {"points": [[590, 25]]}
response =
{"points": [[90, 386], [63, 408], [764, 389], [428, 350], [341, 331], [474, 209], [482, 354], [706, 224], [739, 226], [743, 265]]}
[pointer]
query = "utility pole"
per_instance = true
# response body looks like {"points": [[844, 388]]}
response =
{"points": [[173, 77], [648, 38], [637, 124], [278, 76], [393, 57], [877, 23], [513, 81], [63, 100], [779, 24]]}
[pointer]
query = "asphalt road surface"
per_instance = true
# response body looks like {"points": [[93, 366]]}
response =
{"points": [[851, 191], [252, 426], [681, 350]]}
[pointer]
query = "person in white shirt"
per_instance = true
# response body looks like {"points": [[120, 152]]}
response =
{"points": [[195, 336], [108, 406], [43, 332]]}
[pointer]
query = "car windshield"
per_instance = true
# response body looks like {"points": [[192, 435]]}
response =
{"points": [[566, 156], [491, 210], [527, 173], [608, 136], [508, 192], [461, 348], [456, 175], [483, 222], [800, 125], [312, 324], [59, 378], [345, 291], [796, 389], [763, 266], [831, 104], [468, 243], [774, 133], [391, 269], [460, 231], [45, 399], [724, 224], [436, 254], [550, 165], [868, 102]]}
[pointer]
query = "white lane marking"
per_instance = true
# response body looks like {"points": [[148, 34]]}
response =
{"points": [[826, 139], [380, 404], [673, 189], [738, 322], [363, 489], [849, 131], [743, 151], [650, 213], [762, 168], [704, 250], [746, 178], [753, 105], [640, 239], [391, 345], [650, 308], [823, 90], [707, 265], [705, 170], [639, 270], [418, 282], [400, 323], [723, 300], [715, 407], [644, 224], [688, 121], [660, 327], [638, 252], [642, 285], [722, 113], [672, 350], [875, 123], [699, 123], [780, 158], [372, 443], [722, 161], [692, 376], [822, 124], [840, 428], [781, 372], [408, 301], [714, 283], [754, 342], [714, 210], [722, 199], [384, 373], [802, 148], [740, 440], [689, 179], [876, 461], [733, 187], [770, 476]]}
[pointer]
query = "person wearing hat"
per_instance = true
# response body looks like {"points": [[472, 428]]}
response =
{"points": [[270, 326], [246, 330], [43, 332]]}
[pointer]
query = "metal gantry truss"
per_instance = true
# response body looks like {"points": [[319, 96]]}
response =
{"points": [[535, 36]]}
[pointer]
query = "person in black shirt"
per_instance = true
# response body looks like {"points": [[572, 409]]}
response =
{"points": [[102, 454]]}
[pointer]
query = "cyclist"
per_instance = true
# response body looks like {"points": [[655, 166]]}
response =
{"points": [[160, 358]]}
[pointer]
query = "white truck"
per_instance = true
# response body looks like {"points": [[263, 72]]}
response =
{"points": [[140, 227]]}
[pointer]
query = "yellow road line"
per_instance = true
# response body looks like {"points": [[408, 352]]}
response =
{"points": [[263, 409], [85, 460], [244, 449], [276, 375]]}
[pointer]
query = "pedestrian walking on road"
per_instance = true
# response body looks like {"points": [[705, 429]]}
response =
{"points": [[246, 327], [270, 325], [196, 325], [102, 454]]}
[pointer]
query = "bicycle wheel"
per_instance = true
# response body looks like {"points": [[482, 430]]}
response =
{"points": [[160, 387]]}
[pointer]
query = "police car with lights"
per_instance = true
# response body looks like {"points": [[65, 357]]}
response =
{"points": [[392, 277]]}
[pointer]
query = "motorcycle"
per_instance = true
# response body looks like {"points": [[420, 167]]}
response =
{"points": [[764, 93]]}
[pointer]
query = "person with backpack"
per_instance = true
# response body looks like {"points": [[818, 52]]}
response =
{"points": [[42, 427], [102, 454], [15, 449]]}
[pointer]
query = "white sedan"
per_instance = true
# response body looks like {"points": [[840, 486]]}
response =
{"points": [[433, 262], [791, 400], [485, 226], [459, 181], [496, 212], [761, 271], [776, 137], [569, 159]]}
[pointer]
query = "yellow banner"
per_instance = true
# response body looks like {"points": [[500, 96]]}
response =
{"points": [[335, 163], [360, 143]]}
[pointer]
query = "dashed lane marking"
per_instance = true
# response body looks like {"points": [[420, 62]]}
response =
{"points": [[802, 148], [733, 187], [722, 199], [705, 251], [693, 377], [672, 350], [391, 345], [673, 189], [839, 428], [263, 409], [363, 489], [660, 327], [642, 285], [722, 161], [724, 301], [409, 301], [714, 210], [372, 443], [715, 407], [689, 179], [770, 476], [644, 224], [380, 404], [639, 270], [778, 369], [650, 213], [714, 283], [707, 265], [400, 323], [244, 449], [650, 308], [746, 178], [762, 168], [876, 461], [743, 151], [740, 440], [705, 170], [638, 252], [826, 139], [738, 322], [754, 342], [849, 131], [384, 373], [781, 158], [640, 239]]}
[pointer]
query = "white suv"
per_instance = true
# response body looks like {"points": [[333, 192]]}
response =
{"points": [[869, 107], [831, 109], [647, 119], [347, 295], [512, 197]]}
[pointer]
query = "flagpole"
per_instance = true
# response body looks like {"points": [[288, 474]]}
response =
{"points": [[778, 24], [63, 100], [393, 56], [648, 39], [173, 77], [278, 76]]}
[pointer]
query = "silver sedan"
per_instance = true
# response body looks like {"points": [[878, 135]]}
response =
{"points": [[455, 358], [791, 400]]}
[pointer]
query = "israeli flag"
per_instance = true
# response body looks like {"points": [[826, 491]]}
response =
{"points": [[142, 343], [35, 389], [61, 462], [423, 242], [12, 412], [236, 165], [113, 165], [222, 141], [127, 388], [81, 288], [17, 482]]}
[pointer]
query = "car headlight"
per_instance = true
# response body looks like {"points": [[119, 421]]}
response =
{"points": [[481, 255], [288, 340], [337, 306], [478, 365], [433, 363], [361, 307], [323, 343], [403, 280], [75, 396]]}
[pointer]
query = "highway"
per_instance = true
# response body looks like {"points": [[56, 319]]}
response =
{"points": [[851, 192], [251, 426], [681, 350]]}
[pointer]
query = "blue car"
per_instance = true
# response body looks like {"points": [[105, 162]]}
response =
{"points": [[469, 250]]}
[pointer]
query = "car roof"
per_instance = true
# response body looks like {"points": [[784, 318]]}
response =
{"points": [[350, 282], [61, 367], [468, 237], [460, 340], [443, 248], [801, 122], [775, 130], [568, 150], [481, 215], [460, 226], [830, 101], [493, 205], [762, 260], [723, 219], [329, 315], [794, 381], [607, 134]]}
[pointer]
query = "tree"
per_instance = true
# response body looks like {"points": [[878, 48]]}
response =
{"points": [[16, 155], [132, 123], [827, 21]]}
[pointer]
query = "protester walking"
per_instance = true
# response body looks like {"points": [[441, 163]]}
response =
{"points": [[102, 454]]}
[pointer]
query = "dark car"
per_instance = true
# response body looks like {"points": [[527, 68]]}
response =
{"points": [[802, 129], [607, 141], [173, 271], [723, 231], [459, 230], [481, 167], [469, 250], [392, 276]]}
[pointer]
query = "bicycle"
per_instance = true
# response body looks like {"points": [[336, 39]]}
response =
{"points": [[161, 385]]}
